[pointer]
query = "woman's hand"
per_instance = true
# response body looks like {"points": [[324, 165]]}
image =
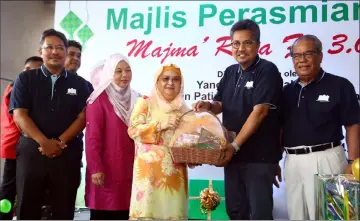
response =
{"points": [[98, 179], [170, 123]]}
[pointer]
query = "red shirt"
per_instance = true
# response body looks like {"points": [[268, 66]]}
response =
{"points": [[10, 133]]}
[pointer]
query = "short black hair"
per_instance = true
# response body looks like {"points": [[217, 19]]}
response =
{"points": [[34, 59], [246, 24], [53, 32], [72, 43]]}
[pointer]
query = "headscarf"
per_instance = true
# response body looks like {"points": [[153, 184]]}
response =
{"points": [[122, 99], [178, 103], [95, 73]]}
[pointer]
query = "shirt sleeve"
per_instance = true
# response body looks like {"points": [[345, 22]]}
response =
{"points": [[359, 110], [139, 129], [268, 87], [349, 105], [91, 88], [20, 94], [220, 89]]}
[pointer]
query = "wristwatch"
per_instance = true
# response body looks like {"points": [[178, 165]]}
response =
{"points": [[350, 161], [236, 147]]}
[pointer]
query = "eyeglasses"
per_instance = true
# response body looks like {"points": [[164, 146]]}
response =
{"points": [[50, 48], [167, 79], [247, 44], [308, 55]]}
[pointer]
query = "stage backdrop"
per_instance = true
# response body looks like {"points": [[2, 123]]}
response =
{"points": [[195, 36]]}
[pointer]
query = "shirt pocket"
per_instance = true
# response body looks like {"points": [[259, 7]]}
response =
{"points": [[70, 103], [321, 113]]}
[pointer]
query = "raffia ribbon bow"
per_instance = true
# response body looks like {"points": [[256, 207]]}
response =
{"points": [[209, 199]]}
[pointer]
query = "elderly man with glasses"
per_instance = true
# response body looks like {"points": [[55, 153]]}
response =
{"points": [[315, 108]]}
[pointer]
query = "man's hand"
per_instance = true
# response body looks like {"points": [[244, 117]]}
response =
{"points": [[278, 175], [51, 148], [348, 169], [228, 154], [202, 106], [98, 179]]}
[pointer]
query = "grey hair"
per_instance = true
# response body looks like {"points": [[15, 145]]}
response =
{"points": [[317, 42]]}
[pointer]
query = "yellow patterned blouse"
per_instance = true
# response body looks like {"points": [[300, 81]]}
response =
{"points": [[159, 188]]}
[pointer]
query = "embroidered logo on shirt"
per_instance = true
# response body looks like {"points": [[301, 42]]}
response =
{"points": [[71, 91], [323, 98], [249, 84]]}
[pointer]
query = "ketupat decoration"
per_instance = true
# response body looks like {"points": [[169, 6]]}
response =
{"points": [[206, 200], [84, 34], [337, 197], [70, 23]]}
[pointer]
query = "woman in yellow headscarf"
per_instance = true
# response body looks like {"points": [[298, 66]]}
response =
{"points": [[159, 189]]}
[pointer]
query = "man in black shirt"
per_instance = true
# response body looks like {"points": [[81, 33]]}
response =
{"points": [[9, 136], [48, 107], [73, 59], [315, 107], [248, 97], [73, 63]]}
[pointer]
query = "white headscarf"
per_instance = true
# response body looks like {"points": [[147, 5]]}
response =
{"points": [[122, 99], [95, 73]]}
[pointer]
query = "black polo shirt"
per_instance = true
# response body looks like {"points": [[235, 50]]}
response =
{"points": [[91, 89], [315, 113], [53, 102], [239, 91]]}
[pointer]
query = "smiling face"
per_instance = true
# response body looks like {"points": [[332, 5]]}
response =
{"points": [[169, 85], [122, 74], [73, 59], [244, 47], [306, 59], [53, 52]]}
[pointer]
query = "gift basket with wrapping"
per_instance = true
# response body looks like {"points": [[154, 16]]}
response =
{"points": [[199, 139], [337, 197]]}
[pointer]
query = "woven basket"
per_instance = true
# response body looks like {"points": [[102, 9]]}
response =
{"points": [[195, 155], [192, 155]]}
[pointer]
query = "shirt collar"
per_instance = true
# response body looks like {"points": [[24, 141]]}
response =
{"points": [[318, 78], [252, 67], [47, 73]]}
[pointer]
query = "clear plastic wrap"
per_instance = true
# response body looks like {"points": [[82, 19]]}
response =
{"points": [[337, 197], [200, 130], [199, 139]]}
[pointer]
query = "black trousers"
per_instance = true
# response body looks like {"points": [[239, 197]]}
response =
{"points": [[8, 187], [109, 215], [249, 190], [35, 173]]}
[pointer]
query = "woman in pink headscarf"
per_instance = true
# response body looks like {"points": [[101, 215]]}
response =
{"points": [[109, 150]]}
